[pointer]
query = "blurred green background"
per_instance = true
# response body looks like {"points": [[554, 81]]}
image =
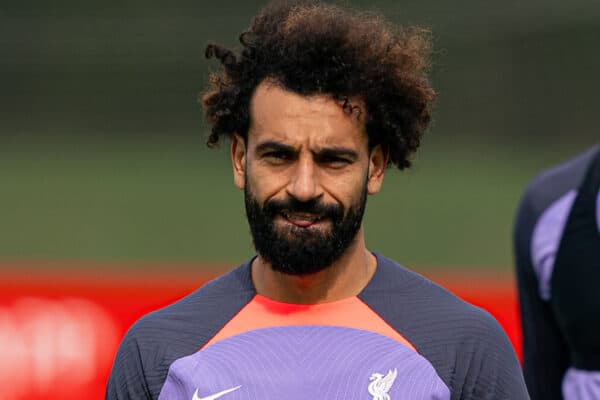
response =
{"points": [[102, 155]]}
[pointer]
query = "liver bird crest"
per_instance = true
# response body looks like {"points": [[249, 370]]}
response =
{"points": [[380, 385]]}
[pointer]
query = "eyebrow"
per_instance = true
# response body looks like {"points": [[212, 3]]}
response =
{"points": [[272, 145], [336, 152], [329, 152]]}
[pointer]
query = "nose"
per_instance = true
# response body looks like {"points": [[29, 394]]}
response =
{"points": [[303, 184]]}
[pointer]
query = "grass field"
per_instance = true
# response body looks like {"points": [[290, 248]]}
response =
{"points": [[82, 180], [150, 200]]}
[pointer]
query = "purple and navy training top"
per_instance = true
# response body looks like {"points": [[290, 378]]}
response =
{"points": [[402, 338], [557, 252]]}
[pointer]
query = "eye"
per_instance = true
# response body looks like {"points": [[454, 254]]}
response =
{"points": [[277, 157], [334, 162], [281, 155]]}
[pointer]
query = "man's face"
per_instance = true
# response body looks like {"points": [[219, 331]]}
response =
{"points": [[305, 170]]}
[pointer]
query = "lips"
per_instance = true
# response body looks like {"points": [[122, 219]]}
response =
{"points": [[303, 220]]}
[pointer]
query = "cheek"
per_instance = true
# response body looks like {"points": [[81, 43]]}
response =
{"points": [[265, 184], [347, 190], [347, 194]]}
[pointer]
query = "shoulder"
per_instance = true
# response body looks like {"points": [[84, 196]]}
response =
{"points": [[554, 182], [162, 336], [542, 214], [465, 344], [413, 302], [212, 303]]}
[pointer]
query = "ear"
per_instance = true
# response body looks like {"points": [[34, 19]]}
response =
{"points": [[377, 163], [238, 160]]}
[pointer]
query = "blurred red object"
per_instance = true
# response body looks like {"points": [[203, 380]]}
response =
{"points": [[59, 331]]}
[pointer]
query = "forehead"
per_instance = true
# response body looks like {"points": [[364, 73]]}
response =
{"points": [[280, 114]]}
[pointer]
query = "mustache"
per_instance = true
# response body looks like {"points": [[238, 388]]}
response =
{"points": [[313, 206]]}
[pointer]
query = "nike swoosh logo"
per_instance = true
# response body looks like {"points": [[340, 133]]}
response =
{"points": [[216, 395]]}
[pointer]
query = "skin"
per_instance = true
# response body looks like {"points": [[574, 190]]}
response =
{"points": [[308, 148]]}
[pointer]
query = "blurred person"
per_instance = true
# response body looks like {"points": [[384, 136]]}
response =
{"points": [[318, 103], [557, 253]]}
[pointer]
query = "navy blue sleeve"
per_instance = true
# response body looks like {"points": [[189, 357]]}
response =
{"points": [[127, 379], [545, 357], [157, 339]]}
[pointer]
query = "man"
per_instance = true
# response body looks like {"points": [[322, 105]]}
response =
{"points": [[319, 102], [557, 247]]}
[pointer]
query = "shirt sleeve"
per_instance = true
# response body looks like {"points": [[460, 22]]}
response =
{"points": [[492, 371], [127, 379], [545, 358]]}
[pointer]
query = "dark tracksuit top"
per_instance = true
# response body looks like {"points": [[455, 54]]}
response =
{"points": [[557, 253], [402, 338]]}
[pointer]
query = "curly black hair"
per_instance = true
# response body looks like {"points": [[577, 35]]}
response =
{"points": [[312, 48]]}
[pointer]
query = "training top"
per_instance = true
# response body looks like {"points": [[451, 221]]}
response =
{"points": [[403, 337], [557, 254]]}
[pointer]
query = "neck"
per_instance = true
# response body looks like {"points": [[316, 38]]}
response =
{"points": [[346, 277]]}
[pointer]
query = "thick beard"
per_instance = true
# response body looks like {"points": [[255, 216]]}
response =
{"points": [[302, 251]]}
